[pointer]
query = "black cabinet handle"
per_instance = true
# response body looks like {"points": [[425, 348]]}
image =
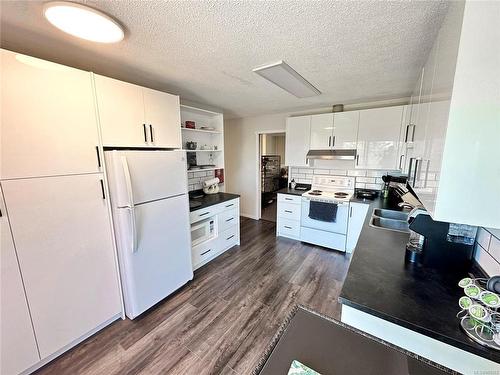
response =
{"points": [[288, 211], [230, 205], [333, 145], [1, 213], [98, 157], [406, 133], [227, 239], [288, 199], [206, 252], [145, 133], [350, 212], [287, 227], [357, 159], [230, 219], [102, 189], [203, 214], [151, 132]]}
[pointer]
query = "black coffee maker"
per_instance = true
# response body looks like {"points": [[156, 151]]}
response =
{"points": [[438, 244]]}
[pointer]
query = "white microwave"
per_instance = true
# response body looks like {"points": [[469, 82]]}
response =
{"points": [[203, 231]]}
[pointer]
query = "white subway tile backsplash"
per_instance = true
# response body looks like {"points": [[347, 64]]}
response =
{"points": [[373, 186], [305, 170], [483, 238], [379, 180], [356, 172], [375, 173], [360, 185], [321, 171], [366, 180], [338, 172], [486, 261], [494, 248]]}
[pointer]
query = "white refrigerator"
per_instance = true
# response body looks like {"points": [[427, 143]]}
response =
{"points": [[150, 205]]}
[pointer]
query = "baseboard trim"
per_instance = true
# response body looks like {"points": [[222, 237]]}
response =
{"points": [[249, 216]]}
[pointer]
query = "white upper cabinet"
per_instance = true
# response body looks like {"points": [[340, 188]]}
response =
{"points": [[298, 133], [121, 113], [64, 244], [18, 346], [460, 168], [135, 116], [378, 143], [48, 119], [334, 130], [321, 131], [163, 118], [345, 129]]}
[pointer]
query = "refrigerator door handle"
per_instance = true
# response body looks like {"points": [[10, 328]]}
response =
{"points": [[130, 206]]}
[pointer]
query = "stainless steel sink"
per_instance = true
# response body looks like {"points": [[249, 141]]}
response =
{"points": [[390, 214], [390, 220]]}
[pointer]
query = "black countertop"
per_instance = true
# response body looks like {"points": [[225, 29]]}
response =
{"points": [[290, 191], [208, 200], [421, 299]]}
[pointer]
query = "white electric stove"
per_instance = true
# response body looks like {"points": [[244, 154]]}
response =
{"points": [[334, 192]]}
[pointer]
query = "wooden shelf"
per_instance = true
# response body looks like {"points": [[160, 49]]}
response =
{"points": [[202, 131]]}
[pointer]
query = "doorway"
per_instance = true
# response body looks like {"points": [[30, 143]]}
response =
{"points": [[273, 174]]}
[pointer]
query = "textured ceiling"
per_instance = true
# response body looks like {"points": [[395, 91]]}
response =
{"points": [[205, 50]]}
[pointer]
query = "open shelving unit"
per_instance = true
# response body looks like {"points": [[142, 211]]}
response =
{"points": [[209, 143]]}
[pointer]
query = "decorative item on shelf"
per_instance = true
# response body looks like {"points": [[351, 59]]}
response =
{"points": [[190, 125], [208, 128], [204, 147], [191, 145], [219, 173], [215, 148], [479, 315], [211, 186]]}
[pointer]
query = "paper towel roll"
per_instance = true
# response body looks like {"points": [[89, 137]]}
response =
{"points": [[211, 182]]}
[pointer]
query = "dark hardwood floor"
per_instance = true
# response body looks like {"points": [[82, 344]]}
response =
{"points": [[223, 320]]}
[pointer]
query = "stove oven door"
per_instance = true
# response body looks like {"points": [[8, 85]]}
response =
{"points": [[339, 226]]}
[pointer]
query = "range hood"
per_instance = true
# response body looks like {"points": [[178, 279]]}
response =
{"points": [[330, 154]]}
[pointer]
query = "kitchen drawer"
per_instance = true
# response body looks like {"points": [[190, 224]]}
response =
{"points": [[229, 205], [228, 219], [228, 238], [289, 211], [204, 251], [289, 228], [287, 198], [204, 213]]}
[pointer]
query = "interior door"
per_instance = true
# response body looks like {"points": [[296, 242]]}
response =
{"points": [[121, 113], [64, 245], [345, 130], [163, 118], [18, 345], [378, 138], [48, 122], [161, 263], [321, 131]]}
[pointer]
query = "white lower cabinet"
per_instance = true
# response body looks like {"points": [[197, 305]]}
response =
{"points": [[64, 245], [18, 345], [288, 216], [227, 217], [357, 216]]}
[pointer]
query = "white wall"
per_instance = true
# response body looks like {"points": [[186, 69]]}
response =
{"points": [[241, 150], [241, 156]]}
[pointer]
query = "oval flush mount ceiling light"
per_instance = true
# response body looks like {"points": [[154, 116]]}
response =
{"points": [[83, 22]]}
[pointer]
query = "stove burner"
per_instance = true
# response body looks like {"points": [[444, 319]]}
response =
{"points": [[315, 192], [341, 195]]}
